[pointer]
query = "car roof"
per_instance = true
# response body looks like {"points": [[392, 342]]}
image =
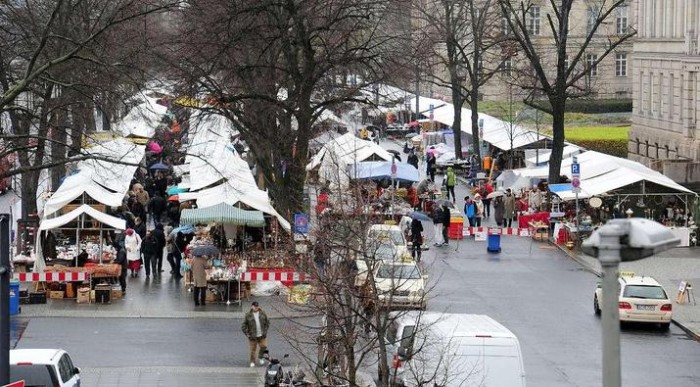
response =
{"points": [[385, 227], [460, 324], [639, 280], [35, 356]]}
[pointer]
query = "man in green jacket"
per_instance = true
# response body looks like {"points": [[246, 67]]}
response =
{"points": [[450, 182], [254, 326]]}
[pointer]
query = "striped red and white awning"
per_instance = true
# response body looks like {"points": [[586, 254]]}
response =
{"points": [[51, 277], [273, 276], [502, 231]]}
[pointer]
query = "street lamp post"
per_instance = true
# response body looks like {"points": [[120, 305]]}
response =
{"points": [[621, 240]]}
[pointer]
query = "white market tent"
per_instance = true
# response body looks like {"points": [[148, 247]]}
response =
{"points": [[600, 174], [496, 132], [142, 120], [101, 217], [104, 181], [568, 151], [333, 160]]}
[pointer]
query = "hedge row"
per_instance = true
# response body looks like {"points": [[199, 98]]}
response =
{"points": [[612, 147], [595, 106]]}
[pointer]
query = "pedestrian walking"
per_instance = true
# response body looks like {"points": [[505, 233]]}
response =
{"points": [[470, 211], [437, 223], [509, 208], [157, 206], [141, 194], [149, 247], [121, 260], [499, 210], [430, 165], [412, 159], [170, 248], [200, 264], [450, 182], [159, 234], [140, 227], [416, 239], [479, 210], [132, 244], [180, 246], [255, 325], [446, 217]]}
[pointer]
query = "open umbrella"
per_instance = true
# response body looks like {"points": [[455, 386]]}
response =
{"points": [[445, 202], [174, 198], [205, 250], [154, 147], [494, 194], [174, 190], [414, 123], [159, 167], [419, 215], [186, 229]]}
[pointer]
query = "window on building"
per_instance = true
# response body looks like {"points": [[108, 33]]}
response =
{"points": [[656, 145], [646, 145], [591, 64], [638, 146], [621, 65], [505, 27], [668, 151], [593, 13], [533, 21], [507, 67], [621, 26]]}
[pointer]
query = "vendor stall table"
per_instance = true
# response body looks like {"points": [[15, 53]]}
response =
{"points": [[286, 276], [524, 220]]}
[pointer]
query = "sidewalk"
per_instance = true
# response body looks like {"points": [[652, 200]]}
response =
{"points": [[669, 268], [159, 298]]}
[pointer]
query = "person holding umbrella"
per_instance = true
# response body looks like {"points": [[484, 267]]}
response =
{"points": [[199, 267], [430, 164], [416, 238]]}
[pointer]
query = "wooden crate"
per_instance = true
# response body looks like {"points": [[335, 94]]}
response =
{"points": [[56, 294]]}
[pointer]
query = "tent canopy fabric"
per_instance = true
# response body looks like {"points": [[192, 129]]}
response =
{"points": [[223, 213], [382, 169], [543, 158], [114, 222], [142, 120]]}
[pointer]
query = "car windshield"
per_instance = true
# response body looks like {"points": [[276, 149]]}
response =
{"points": [[381, 250], [395, 236], [398, 272], [38, 375], [642, 291]]}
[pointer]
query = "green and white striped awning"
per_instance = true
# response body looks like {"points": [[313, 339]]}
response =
{"points": [[222, 214]]}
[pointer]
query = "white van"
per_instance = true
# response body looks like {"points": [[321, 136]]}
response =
{"points": [[441, 349]]}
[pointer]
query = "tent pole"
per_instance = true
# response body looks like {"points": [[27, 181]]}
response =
{"points": [[77, 238], [101, 242]]}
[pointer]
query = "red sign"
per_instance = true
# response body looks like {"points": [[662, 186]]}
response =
{"points": [[15, 384]]}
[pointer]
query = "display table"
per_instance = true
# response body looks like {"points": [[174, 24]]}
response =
{"points": [[538, 231], [229, 290], [525, 220], [285, 275]]}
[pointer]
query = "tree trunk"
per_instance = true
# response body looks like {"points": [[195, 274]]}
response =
{"points": [[558, 108], [30, 182], [474, 106], [457, 122], [58, 147]]}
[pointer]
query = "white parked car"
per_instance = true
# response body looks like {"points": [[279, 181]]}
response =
{"points": [[400, 285], [43, 367], [641, 299], [391, 233]]}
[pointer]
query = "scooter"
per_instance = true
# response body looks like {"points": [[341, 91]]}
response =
{"points": [[274, 375]]}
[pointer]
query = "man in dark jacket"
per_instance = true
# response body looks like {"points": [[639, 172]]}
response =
{"points": [[149, 248], [159, 234], [416, 238], [120, 259], [156, 207], [445, 224], [413, 159], [140, 227], [255, 325]]}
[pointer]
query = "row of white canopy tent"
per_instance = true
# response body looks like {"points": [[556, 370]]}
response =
{"points": [[214, 173], [499, 133], [338, 155], [600, 174]]}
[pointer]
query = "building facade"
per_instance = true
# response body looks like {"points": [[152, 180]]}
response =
{"points": [[666, 87]]}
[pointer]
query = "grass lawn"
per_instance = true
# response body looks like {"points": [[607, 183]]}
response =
{"points": [[597, 133]]}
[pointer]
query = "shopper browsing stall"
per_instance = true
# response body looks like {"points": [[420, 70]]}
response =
{"points": [[132, 244]]}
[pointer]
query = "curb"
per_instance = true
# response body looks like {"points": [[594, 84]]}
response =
{"points": [[588, 267]]}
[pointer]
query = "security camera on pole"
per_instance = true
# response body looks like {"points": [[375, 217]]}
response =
{"points": [[576, 186]]}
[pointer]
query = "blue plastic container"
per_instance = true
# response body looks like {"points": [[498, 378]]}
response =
{"points": [[14, 297], [493, 241]]}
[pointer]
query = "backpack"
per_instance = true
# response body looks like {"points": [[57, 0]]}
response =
{"points": [[437, 214]]}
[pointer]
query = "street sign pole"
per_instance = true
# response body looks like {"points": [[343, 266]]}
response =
{"points": [[575, 174]]}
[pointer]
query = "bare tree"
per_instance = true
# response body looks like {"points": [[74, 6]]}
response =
{"points": [[558, 54], [464, 43]]}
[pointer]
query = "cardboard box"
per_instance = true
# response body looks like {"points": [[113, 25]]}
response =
{"points": [[37, 297], [117, 293], [56, 294], [83, 296], [211, 297]]}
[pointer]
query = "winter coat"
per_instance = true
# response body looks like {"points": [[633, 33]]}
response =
{"points": [[141, 228], [157, 205], [149, 246], [479, 207], [121, 260], [142, 197], [451, 177], [509, 206], [248, 325], [413, 160], [200, 265], [132, 243], [470, 209], [498, 208], [416, 230], [160, 236], [446, 216]]}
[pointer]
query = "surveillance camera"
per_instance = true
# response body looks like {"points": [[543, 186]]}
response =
{"points": [[637, 238]]}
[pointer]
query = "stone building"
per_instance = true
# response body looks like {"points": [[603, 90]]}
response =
{"points": [[665, 134]]}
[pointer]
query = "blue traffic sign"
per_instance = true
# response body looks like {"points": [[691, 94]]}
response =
{"points": [[575, 169], [301, 223]]}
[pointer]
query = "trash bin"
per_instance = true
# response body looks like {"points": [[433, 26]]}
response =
{"points": [[14, 297], [493, 241]]}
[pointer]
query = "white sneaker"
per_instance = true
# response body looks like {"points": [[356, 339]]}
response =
{"points": [[252, 365], [261, 361]]}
